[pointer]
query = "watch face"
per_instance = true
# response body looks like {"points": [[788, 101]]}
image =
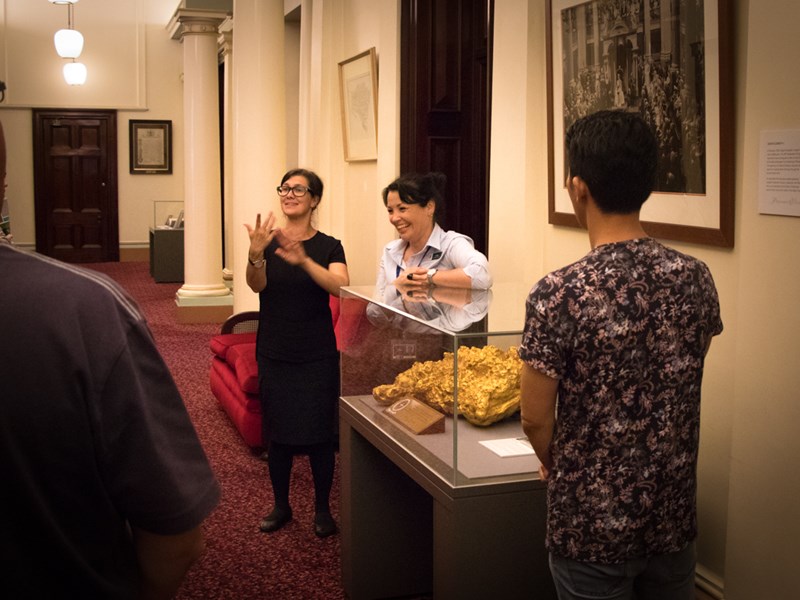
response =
{"points": [[431, 272]]}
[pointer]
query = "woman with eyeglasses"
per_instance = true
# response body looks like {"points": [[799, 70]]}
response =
{"points": [[294, 270], [426, 255]]}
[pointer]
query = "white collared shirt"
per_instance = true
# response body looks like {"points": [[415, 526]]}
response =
{"points": [[444, 250]]}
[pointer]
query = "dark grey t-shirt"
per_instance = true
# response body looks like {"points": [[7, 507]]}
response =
{"points": [[94, 435]]}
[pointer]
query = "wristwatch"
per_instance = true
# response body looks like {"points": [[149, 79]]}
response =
{"points": [[257, 263], [431, 273]]}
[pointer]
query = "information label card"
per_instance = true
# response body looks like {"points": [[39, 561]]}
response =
{"points": [[509, 446], [779, 173], [416, 416]]}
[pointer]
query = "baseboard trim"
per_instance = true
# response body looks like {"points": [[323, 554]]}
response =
{"points": [[134, 254], [709, 582]]}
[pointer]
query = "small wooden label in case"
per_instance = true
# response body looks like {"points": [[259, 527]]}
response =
{"points": [[416, 416]]}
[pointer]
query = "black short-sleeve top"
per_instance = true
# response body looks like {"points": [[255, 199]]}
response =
{"points": [[295, 319]]}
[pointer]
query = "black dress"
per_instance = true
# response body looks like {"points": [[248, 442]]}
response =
{"points": [[298, 363]]}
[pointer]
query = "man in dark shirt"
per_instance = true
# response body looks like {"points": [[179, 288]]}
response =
{"points": [[613, 354], [104, 483]]}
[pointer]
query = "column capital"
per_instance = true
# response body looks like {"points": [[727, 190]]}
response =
{"points": [[195, 21], [225, 39]]}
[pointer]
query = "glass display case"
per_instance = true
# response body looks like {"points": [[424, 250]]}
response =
{"points": [[457, 508], [166, 242], [167, 214], [451, 350]]}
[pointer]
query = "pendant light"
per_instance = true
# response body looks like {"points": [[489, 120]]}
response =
{"points": [[75, 73], [69, 44]]}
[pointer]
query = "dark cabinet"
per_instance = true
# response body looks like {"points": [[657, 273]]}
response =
{"points": [[166, 255]]}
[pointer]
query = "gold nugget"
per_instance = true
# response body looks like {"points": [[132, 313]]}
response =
{"points": [[488, 384]]}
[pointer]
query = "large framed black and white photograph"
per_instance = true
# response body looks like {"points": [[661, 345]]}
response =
{"points": [[150, 147], [671, 62]]}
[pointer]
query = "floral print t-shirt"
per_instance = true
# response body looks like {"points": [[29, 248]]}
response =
{"points": [[624, 330]]}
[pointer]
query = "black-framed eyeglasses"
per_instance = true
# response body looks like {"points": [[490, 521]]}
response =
{"points": [[299, 190]]}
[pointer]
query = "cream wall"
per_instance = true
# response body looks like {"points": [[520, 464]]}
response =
{"points": [[763, 544], [163, 100], [113, 52], [164, 60], [748, 483], [354, 211]]}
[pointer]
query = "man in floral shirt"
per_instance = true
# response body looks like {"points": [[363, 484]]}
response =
{"points": [[613, 355]]}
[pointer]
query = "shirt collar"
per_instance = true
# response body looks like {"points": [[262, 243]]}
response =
{"points": [[435, 241]]}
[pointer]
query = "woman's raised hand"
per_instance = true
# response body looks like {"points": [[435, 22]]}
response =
{"points": [[260, 235]]}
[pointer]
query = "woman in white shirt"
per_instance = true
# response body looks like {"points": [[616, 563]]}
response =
{"points": [[425, 254]]}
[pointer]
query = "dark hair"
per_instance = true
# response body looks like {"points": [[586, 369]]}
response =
{"points": [[616, 154], [414, 188], [315, 185]]}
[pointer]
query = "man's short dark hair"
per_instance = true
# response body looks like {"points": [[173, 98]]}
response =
{"points": [[616, 154]]}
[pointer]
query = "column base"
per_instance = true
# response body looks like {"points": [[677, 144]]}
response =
{"points": [[227, 278], [191, 291], [203, 309]]}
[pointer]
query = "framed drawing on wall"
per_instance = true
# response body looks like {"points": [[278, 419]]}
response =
{"points": [[670, 61], [358, 88], [150, 147]]}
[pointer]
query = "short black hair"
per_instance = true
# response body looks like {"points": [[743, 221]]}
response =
{"points": [[415, 188], [315, 185], [616, 153]]}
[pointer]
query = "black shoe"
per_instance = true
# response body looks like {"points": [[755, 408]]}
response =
{"points": [[275, 520], [324, 525]]}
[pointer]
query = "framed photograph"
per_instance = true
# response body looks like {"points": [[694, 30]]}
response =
{"points": [[358, 88], [151, 147], [672, 62]]}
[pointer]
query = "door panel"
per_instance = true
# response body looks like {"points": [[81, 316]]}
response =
{"points": [[75, 166], [445, 83]]}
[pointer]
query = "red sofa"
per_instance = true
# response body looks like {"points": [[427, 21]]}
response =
{"points": [[234, 373]]}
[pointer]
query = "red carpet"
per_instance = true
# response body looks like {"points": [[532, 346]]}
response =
{"points": [[240, 562]]}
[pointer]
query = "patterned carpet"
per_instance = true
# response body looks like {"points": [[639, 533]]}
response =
{"points": [[240, 563]]}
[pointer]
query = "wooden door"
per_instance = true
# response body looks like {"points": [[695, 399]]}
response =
{"points": [[445, 104], [75, 179]]}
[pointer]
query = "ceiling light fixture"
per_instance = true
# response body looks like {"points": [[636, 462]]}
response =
{"points": [[69, 44], [75, 73]]}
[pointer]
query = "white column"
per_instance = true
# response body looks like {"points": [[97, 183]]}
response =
{"points": [[203, 229], [226, 52], [258, 123]]}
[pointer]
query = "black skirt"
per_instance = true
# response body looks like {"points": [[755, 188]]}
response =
{"points": [[299, 400]]}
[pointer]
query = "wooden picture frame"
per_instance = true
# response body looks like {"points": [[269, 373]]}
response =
{"points": [[150, 147], [358, 90], [671, 61]]}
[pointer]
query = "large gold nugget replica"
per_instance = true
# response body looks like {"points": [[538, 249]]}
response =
{"points": [[488, 384]]}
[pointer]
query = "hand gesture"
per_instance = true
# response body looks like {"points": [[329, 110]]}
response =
{"points": [[292, 252], [260, 235]]}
